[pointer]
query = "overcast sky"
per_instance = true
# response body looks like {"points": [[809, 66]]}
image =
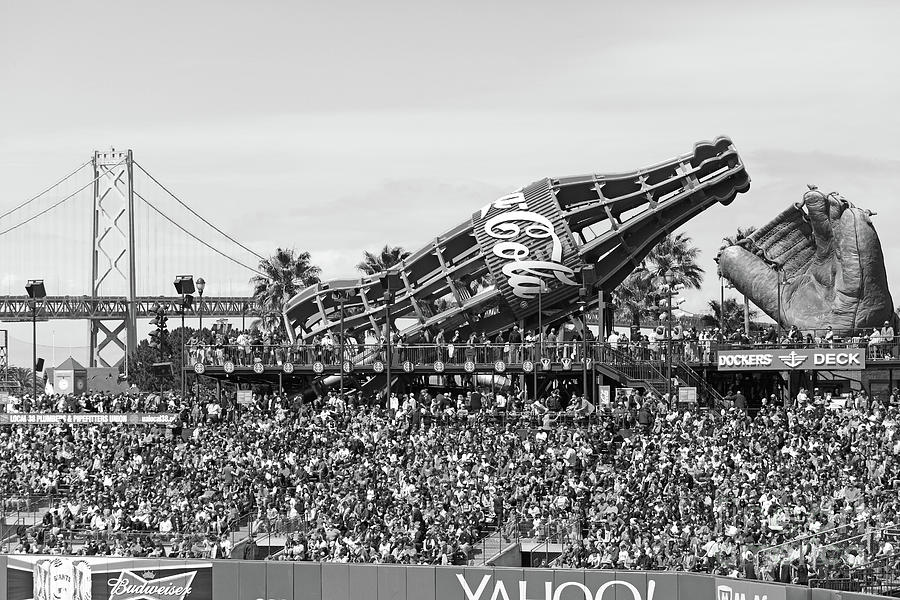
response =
{"points": [[337, 127]]}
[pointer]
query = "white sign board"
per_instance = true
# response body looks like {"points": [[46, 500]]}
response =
{"points": [[687, 395]]}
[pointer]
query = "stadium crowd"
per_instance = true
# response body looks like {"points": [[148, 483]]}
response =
{"points": [[641, 484]]}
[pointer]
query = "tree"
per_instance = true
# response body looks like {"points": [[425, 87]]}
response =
{"points": [[140, 363], [632, 297], [388, 257], [678, 255], [742, 233], [637, 295], [23, 377], [284, 274], [733, 317]]}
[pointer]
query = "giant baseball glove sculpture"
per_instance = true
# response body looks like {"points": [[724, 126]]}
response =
{"points": [[832, 267]]}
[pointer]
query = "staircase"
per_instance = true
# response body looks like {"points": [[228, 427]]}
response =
{"points": [[631, 372], [651, 373], [488, 547], [706, 393], [10, 521]]}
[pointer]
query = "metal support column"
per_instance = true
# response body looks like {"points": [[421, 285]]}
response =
{"points": [[34, 349], [669, 345], [387, 341], [113, 270]]}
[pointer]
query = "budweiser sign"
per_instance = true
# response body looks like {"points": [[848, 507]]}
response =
{"points": [[130, 586]]}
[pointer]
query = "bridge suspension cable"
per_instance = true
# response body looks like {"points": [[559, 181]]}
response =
{"points": [[194, 237], [30, 200], [52, 206], [193, 212]]}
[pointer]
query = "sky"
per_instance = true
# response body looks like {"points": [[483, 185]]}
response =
{"points": [[338, 127]]}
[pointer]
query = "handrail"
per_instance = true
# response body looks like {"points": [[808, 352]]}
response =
{"points": [[804, 538], [829, 544], [648, 356], [695, 379]]}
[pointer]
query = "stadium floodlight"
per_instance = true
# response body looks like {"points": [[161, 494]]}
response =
{"points": [[36, 291], [184, 284]]}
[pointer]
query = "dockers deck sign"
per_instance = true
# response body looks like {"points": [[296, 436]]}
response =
{"points": [[94, 578], [792, 359]]}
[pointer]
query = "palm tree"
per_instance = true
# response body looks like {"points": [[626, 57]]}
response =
{"points": [[742, 233], [728, 322], [21, 376], [678, 255], [675, 254], [283, 275], [388, 257], [632, 295]]}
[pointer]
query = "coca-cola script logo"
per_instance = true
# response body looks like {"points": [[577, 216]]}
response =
{"points": [[525, 276], [129, 586]]}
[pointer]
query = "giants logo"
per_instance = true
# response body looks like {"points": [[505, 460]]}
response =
{"points": [[61, 579]]}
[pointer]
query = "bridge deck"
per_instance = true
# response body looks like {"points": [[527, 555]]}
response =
{"points": [[19, 308]]}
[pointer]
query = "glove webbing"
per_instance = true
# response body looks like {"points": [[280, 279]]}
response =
{"points": [[785, 240]]}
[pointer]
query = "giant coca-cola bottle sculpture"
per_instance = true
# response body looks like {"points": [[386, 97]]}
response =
{"points": [[486, 272]]}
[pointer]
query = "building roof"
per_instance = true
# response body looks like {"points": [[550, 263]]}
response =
{"points": [[70, 364]]}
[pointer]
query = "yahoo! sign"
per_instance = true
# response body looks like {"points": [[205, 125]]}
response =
{"points": [[551, 591], [523, 245]]}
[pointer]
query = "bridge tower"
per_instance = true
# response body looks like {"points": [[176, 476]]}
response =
{"points": [[112, 256]]}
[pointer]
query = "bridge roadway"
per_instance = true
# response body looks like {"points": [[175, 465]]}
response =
{"points": [[16, 309]]}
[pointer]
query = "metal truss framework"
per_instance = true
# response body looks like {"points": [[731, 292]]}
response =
{"points": [[112, 255], [5, 383], [18, 308], [526, 250]]}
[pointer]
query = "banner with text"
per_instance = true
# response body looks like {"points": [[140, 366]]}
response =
{"points": [[748, 589], [88, 419], [93, 578], [793, 359]]}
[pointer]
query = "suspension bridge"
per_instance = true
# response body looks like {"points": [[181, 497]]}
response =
{"points": [[108, 240]]}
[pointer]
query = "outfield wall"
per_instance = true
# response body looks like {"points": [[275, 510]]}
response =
{"points": [[89, 578]]}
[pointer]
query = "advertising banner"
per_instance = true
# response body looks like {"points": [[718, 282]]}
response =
{"points": [[88, 419], [92, 578], [794, 359], [748, 589], [111, 578]]}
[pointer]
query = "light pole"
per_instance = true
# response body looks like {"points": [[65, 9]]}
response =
{"points": [[778, 275], [36, 291], [670, 280], [201, 285], [540, 337], [341, 296], [582, 305], [722, 303], [184, 285], [389, 281]]}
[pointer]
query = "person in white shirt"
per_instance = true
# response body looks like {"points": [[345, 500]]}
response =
{"points": [[887, 340], [613, 340]]}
